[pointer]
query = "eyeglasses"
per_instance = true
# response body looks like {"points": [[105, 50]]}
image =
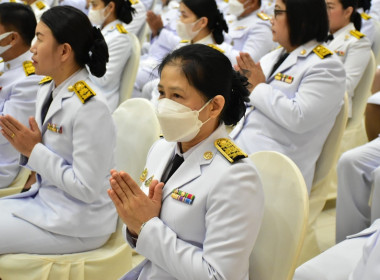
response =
{"points": [[278, 12]]}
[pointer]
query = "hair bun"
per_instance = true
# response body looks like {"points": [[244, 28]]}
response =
{"points": [[98, 55]]}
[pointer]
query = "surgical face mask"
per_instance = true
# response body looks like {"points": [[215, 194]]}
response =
{"points": [[97, 17], [178, 122], [235, 7], [3, 49], [185, 30]]}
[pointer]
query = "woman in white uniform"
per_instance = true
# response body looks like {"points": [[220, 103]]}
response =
{"points": [[112, 16], [346, 40], [297, 90], [201, 200], [69, 145]]}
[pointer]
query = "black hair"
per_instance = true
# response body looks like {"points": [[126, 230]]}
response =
{"points": [[207, 8], [75, 29], [20, 18], [365, 4], [355, 18], [211, 73], [123, 8], [307, 20]]}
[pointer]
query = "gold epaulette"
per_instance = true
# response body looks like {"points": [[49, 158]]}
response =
{"points": [[40, 5], [45, 80], [28, 68], [263, 16], [365, 16], [225, 1], [133, 2], [322, 51], [83, 91], [357, 34], [229, 150], [121, 28], [215, 47], [184, 41], [12, 1]]}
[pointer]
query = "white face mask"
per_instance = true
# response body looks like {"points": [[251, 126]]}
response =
{"points": [[235, 7], [185, 30], [178, 122], [97, 17], [3, 49]]}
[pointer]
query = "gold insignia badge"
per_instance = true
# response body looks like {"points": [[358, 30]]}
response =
{"points": [[184, 41], [208, 155], [229, 150], [263, 16], [357, 34], [240, 27], [83, 91], [284, 78], [216, 47], [147, 182], [28, 68], [365, 16], [143, 175], [133, 2], [40, 5], [322, 51], [121, 28], [45, 80]]}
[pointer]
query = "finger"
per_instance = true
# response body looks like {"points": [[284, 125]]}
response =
{"points": [[115, 198], [13, 123], [6, 136], [33, 124], [240, 62], [151, 188], [6, 131], [247, 59], [157, 196], [132, 185], [118, 190]]}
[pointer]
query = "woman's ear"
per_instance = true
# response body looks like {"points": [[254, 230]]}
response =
{"points": [[348, 12], [203, 21], [111, 7], [216, 106], [66, 52]]}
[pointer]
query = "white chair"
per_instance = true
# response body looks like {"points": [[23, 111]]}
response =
{"points": [[111, 261], [130, 70], [321, 183], [137, 129], [280, 239], [17, 184], [376, 42]]}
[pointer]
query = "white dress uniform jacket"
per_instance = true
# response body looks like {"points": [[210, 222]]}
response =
{"points": [[294, 111], [72, 163], [18, 91], [39, 7], [375, 9], [119, 44], [355, 53], [251, 34], [211, 238], [139, 18]]}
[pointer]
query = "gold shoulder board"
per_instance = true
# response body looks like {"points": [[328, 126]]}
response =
{"points": [[121, 28], [215, 47], [322, 51], [357, 34], [40, 5], [229, 150], [28, 68], [184, 41], [83, 91], [365, 16], [225, 1], [133, 2], [45, 80], [12, 1], [263, 16]]}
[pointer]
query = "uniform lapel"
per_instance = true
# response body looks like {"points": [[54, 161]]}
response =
{"points": [[45, 92]]}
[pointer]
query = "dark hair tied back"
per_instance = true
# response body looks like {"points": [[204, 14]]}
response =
{"points": [[98, 55], [239, 95], [219, 27]]}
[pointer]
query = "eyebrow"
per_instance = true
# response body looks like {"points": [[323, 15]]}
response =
{"points": [[172, 88], [39, 34]]}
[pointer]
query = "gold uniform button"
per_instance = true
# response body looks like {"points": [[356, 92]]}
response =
{"points": [[71, 88], [303, 51], [208, 155]]}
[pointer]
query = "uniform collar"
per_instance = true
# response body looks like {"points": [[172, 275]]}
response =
{"points": [[17, 62], [344, 30], [206, 40], [111, 26]]}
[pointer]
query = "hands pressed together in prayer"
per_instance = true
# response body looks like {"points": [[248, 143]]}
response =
{"points": [[155, 22], [251, 70], [22, 138], [132, 204]]}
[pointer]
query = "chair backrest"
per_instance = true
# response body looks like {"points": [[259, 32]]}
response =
{"points": [[17, 184], [330, 151], [361, 94], [130, 70], [282, 232], [376, 42], [137, 129]]}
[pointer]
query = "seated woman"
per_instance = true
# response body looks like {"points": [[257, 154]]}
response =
{"points": [[200, 198], [299, 90], [69, 145], [200, 23], [112, 16], [351, 46]]}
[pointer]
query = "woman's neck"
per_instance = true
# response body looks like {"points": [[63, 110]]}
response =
{"points": [[201, 35], [108, 20], [64, 73]]}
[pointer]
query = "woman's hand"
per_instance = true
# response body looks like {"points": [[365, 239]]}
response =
{"points": [[132, 204], [23, 139], [248, 68], [155, 22]]}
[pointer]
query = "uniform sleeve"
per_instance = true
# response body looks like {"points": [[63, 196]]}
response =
{"points": [[93, 148], [315, 99], [138, 19], [234, 211]]}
